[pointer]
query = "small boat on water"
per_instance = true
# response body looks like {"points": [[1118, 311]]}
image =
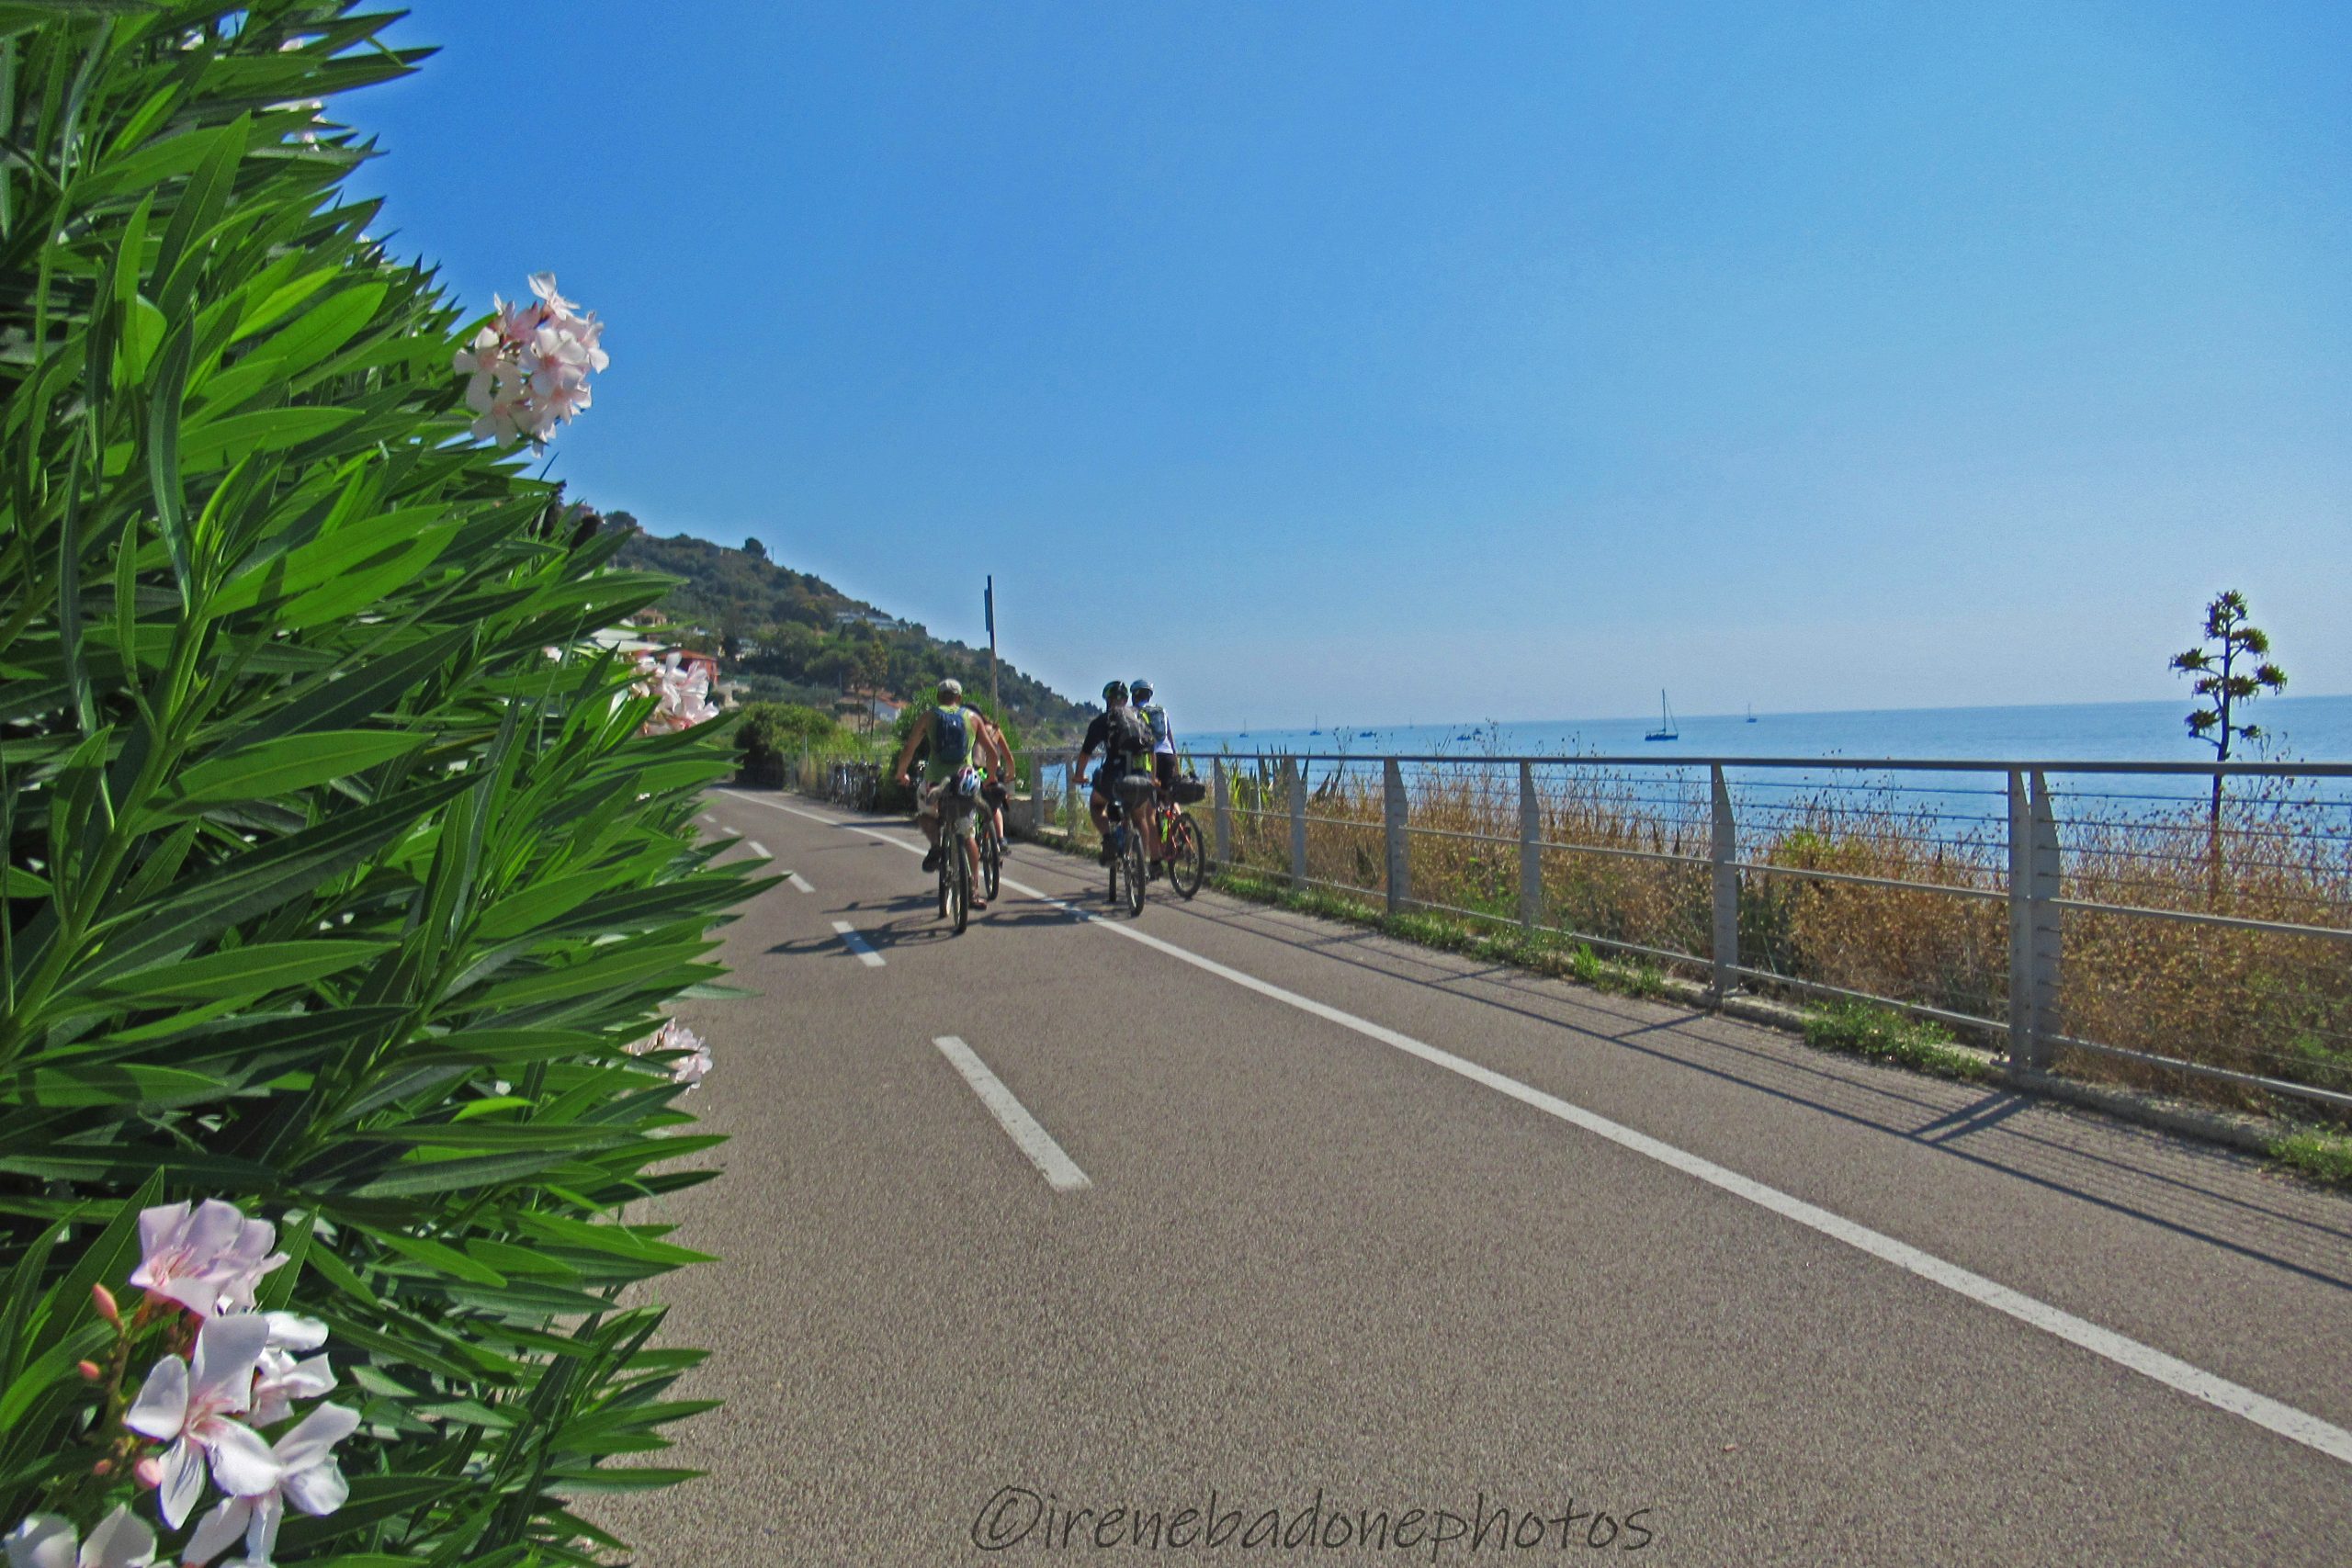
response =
{"points": [[1665, 730], [1751, 712]]}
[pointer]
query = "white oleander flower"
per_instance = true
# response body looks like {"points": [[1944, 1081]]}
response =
{"points": [[191, 1405], [308, 1477], [48, 1540]]}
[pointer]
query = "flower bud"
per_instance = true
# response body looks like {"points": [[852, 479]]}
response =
{"points": [[103, 1299], [104, 1467], [89, 1371], [148, 1471]]}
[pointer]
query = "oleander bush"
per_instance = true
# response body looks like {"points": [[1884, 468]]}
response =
{"points": [[344, 883]]}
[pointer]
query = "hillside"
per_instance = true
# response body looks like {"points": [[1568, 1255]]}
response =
{"points": [[797, 631]]}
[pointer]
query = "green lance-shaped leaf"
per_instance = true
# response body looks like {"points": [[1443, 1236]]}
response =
{"points": [[164, 407], [275, 768], [240, 972], [255, 882]]}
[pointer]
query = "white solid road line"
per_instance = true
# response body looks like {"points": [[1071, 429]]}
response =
{"points": [[1061, 1171], [2297, 1426], [856, 943], [798, 881]]}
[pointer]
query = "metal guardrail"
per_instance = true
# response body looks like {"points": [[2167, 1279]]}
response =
{"points": [[1997, 831]]}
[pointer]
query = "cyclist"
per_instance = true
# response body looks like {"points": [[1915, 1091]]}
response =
{"points": [[953, 732], [1123, 737], [1163, 746], [995, 759]]}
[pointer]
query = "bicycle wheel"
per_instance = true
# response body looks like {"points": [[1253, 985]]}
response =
{"points": [[1136, 872], [1187, 862], [943, 843], [991, 859], [959, 883]]}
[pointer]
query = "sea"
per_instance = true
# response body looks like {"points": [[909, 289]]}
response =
{"points": [[2296, 730]]}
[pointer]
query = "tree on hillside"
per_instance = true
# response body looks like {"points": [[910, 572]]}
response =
{"points": [[755, 550]]}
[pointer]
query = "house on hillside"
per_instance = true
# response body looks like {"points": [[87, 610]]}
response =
{"points": [[875, 618], [869, 708]]}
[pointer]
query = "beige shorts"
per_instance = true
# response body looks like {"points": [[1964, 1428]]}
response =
{"points": [[966, 822]]}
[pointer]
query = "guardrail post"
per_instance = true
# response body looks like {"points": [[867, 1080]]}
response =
{"points": [[1531, 851], [2022, 985], [1036, 794], [1069, 797], [2047, 921], [1723, 849], [1221, 814], [1391, 817], [2035, 947], [1297, 776]]}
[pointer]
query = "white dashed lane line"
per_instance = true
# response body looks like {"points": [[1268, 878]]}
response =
{"points": [[1061, 1171], [798, 881]]}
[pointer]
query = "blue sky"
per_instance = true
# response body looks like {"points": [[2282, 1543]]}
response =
{"points": [[1378, 361]]}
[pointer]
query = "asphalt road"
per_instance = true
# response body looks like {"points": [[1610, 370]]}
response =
{"points": [[1233, 1210]]}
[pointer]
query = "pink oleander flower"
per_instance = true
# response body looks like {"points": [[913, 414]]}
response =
{"points": [[209, 1258], [527, 373], [189, 1404], [683, 691], [48, 1540], [307, 1476], [690, 1069]]}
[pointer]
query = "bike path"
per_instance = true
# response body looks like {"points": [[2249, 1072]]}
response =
{"points": [[1306, 1260]]}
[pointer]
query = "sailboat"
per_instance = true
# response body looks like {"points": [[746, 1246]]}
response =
{"points": [[1665, 730], [1751, 712]]}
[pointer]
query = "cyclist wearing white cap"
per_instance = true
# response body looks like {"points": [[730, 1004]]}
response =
{"points": [[955, 733]]}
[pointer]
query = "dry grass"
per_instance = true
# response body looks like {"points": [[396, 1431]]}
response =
{"points": [[1626, 865]]}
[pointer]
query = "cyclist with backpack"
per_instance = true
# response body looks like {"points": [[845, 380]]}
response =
{"points": [[1123, 737], [1163, 749], [1163, 736], [953, 733]]}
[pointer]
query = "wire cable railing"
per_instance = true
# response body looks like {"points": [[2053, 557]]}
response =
{"points": [[2108, 931]]}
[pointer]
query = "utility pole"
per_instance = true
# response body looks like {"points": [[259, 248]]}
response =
{"points": [[987, 600]]}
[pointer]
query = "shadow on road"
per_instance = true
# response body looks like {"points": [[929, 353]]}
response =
{"points": [[2194, 1189]]}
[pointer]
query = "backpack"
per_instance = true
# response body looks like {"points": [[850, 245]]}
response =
{"points": [[951, 736], [1158, 715], [1130, 734]]}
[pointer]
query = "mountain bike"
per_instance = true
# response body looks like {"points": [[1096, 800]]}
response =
{"points": [[1180, 849], [1127, 868], [992, 851], [955, 866]]}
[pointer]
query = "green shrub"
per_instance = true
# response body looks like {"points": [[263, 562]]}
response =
{"points": [[1890, 1036], [2317, 1153], [781, 729], [328, 891]]}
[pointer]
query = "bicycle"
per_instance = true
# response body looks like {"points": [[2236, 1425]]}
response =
{"points": [[991, 849], [1129, 858], [1180, 848], [955, 866]]}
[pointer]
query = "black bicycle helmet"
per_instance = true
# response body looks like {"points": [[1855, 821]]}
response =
{"points": [[1116, 691]]}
